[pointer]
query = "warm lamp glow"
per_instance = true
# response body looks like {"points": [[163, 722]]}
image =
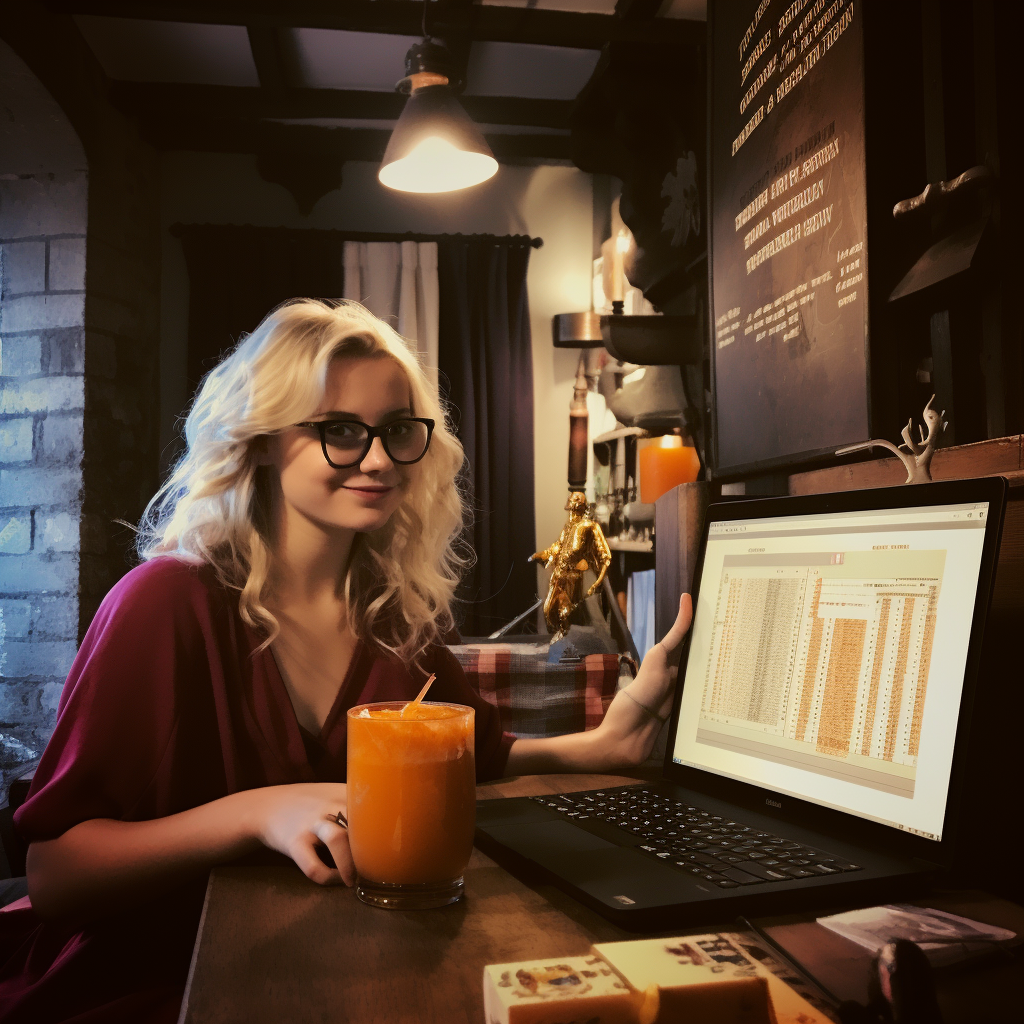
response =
{"points": [[435, 165], [435, 146], [618, 274], [670, 441]]}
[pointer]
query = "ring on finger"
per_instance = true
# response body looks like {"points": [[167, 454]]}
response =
{"points": [[341, 820]]}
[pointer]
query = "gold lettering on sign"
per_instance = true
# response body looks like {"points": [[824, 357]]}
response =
{"points": [[755, 55], [752, 208], [752, 27], [776, 245], [748, 128], [755, 88]]}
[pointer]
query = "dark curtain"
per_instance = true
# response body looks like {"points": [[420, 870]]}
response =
{"points": [[485, 363], [239, 274]]}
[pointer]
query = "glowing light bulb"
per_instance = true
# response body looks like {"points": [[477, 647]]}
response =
{"points": [[618, 274], [435, 165]]}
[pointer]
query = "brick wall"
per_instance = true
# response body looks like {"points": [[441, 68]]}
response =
{"points": [[79, 349], [42, 401]]}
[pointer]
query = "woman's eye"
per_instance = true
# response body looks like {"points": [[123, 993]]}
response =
{"points": [[400, 429], [345, 433]]}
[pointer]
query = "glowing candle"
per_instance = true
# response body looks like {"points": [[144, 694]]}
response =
{"points": [[579, 429], [665, 464], [618, 273]]}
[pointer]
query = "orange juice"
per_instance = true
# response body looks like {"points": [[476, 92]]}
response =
{"points": [[411, 794]]}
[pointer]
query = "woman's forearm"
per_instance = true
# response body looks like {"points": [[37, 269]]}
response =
{"points": [[623, 740], [551, 755], [101, 865], [600, 750], [630, 727]]}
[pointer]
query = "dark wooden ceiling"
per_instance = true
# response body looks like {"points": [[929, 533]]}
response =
{"points": [[633, 19], [249, 119]]}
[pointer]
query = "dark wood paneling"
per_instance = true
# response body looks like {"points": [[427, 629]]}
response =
{"points": [[678, 521]]}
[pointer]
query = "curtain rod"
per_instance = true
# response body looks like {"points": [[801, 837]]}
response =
{"points": [[367, 236]]}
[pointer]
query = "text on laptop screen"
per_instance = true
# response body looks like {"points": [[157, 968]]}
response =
{"points": [[828, 656]]}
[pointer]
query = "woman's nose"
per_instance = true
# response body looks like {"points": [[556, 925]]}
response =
{"points": [[376, 459]]}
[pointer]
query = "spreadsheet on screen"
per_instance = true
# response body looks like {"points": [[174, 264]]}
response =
{"points": [[828, 657]]}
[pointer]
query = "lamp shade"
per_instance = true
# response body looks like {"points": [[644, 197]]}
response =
{"points": [[435, 146]]}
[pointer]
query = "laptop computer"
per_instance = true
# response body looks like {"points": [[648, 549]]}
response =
{"points": [[817, 741]]}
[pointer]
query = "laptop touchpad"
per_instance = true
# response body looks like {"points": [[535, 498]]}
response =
{"points": [[555, 836]]}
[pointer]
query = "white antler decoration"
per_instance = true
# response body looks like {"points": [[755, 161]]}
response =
{"points": [[918, 461]]}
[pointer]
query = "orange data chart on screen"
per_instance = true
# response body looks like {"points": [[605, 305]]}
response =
{"points": [[820, 661]]}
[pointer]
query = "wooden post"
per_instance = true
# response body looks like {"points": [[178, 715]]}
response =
{"points": [[678, 520]]}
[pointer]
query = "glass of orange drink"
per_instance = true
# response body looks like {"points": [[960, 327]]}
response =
{"points": [[411, 802]]}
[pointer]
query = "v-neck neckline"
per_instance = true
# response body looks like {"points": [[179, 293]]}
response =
{"points": [[330, 722]]}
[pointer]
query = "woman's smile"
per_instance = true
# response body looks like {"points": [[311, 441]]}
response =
{"points": [[370, 492]]}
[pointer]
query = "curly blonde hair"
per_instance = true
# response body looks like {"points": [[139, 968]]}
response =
{"points": [[214, 506]]}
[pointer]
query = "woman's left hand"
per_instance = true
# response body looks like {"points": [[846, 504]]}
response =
{"points": [[636, 715], [631, 725]]}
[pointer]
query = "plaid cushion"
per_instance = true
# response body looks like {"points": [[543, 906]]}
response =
{"points": [[535, 699]]}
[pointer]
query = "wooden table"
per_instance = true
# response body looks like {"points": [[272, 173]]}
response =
{"points": [[274, 947]]}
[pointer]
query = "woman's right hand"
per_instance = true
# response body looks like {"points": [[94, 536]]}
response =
{"points": [[295, 820]]}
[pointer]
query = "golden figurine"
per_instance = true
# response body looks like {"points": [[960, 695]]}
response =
{"points": [[580, 546]]}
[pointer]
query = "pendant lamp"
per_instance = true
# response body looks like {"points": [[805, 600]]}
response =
{"points": [[435, 147]]}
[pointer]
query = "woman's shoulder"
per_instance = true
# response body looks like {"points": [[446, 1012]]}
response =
{"points": [[167, 570], [434, 657], [162, 586], [438, 656], [168, 574]]}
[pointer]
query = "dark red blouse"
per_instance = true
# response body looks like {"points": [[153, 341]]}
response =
{"points": [[168, 706]]}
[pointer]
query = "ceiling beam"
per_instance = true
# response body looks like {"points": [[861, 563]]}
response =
{"points": [[637, 10], [266, 55], [404, 17], [205, 102], [350, 143], [457, 36]]}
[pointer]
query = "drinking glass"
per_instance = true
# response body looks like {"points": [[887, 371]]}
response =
{"points": [[411, 802]]}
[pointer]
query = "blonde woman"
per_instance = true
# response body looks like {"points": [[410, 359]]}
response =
{"points": [[298, 561]]}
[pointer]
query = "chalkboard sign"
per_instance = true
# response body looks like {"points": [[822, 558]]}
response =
{"points": [[788, 262]]}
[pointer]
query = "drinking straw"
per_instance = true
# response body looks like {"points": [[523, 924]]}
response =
{"points": [[420, 695]]}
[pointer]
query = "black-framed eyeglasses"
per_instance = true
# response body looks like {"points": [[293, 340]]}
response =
{"points": [[347, 442]]}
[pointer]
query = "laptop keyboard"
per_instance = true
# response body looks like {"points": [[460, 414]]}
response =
{"points": [[709, 846]]}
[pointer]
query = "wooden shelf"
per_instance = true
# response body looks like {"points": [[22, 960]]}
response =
{"points": [[654, 340], [1002, 456]]}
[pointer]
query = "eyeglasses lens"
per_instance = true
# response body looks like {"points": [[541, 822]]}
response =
{"points": [[404, 441]]}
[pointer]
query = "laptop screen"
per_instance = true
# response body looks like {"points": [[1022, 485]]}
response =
{"points": [[828, 656]]}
